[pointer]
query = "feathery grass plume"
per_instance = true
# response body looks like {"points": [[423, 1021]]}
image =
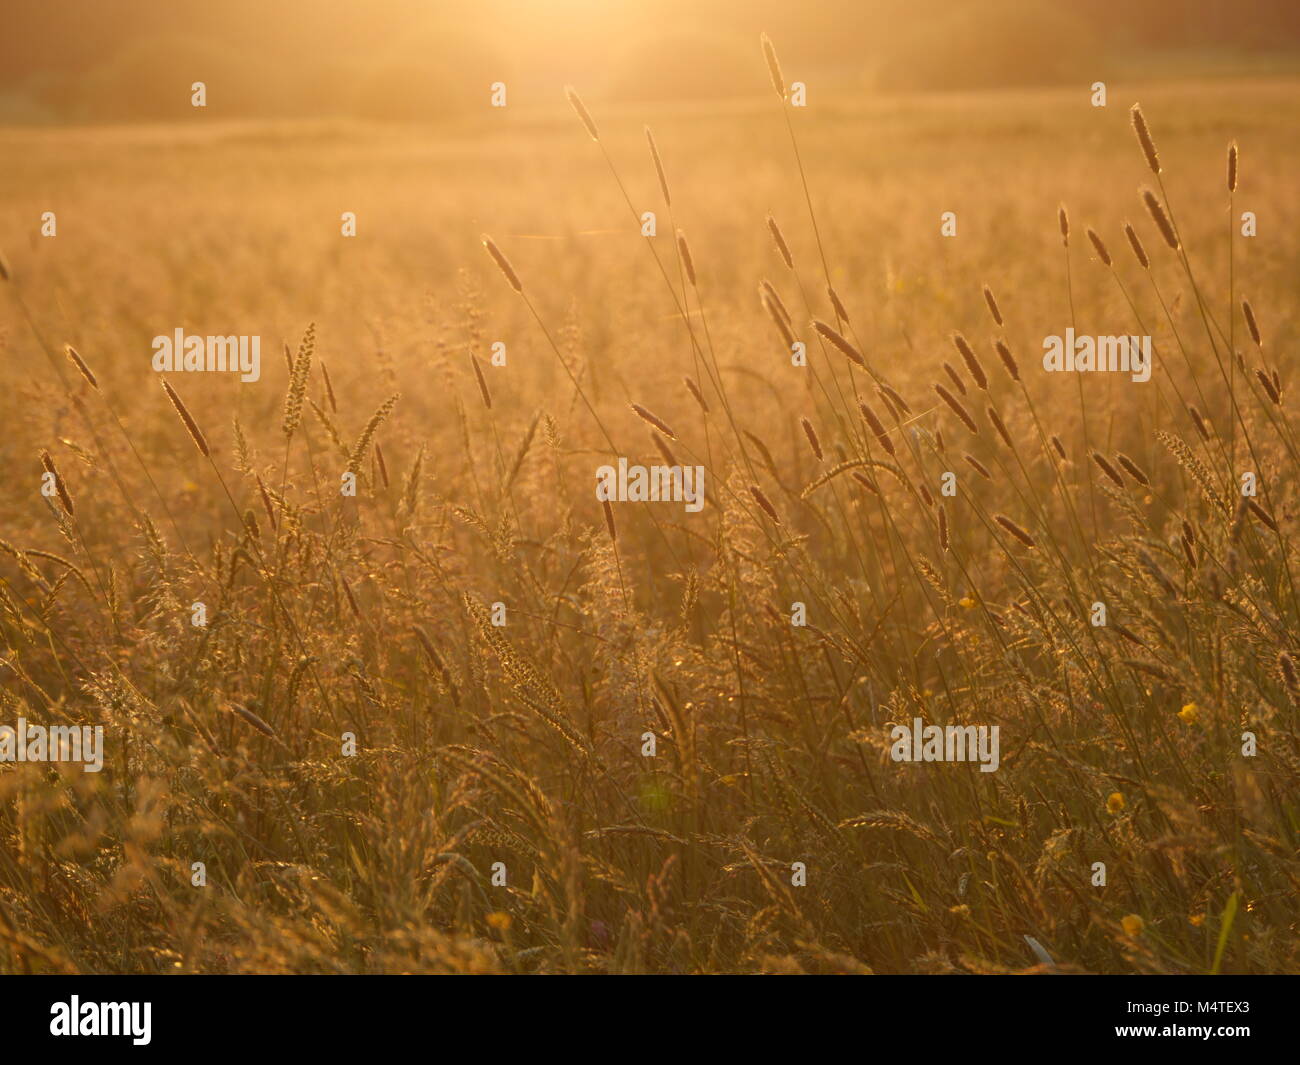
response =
{"points": [[1232, 167], [878, 428], [782, 326], [767, 291], [764, 502], [773, 67], [81, 366], [688, 263], [973, 366], [957, 408], [1270, 387], [329, 388], [955, 378], [1008, 360], [609, 520], [1104, 465], [811, 434], [482, 381], [1248, 313], [1144, 139], [1002, 429], [298, 383], [64, 497], [993, 305], [943, 528], [1133, 469], [839, 341], [571, 94], [893, 399], [659, 166], [658, 423], [978, 466], [779, 238], [1161, 219], [503, 264], [695, 392], [1015, 530], [1063, 220], [368, 433], [836, 305], [1102, 253], [191, 426]]}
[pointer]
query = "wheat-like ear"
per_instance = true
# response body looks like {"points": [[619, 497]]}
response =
{"points": [[1232, 167], [688, 263], [779, 238], [191, 426]]}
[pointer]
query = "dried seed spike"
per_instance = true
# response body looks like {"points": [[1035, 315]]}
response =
{"points": [[781, 245], [694, 390], [811, 434], [191, 426], [1144, 139], [572, 95], [836, 305], [81, 366], [957, 409], [659, 166], [1161, 219], [1248, 313], [662, 446], [993, 305], [646, 416], [1008, 360], [482, 381], [839, 341], [65, 499], [609, 520], [782, 325], [1270, 387], [1000, 427], [1136, 245], [773, 67], [329, 388], [1063, 220], [1104, 465], [764, 502], [503, 264], [1102, 253], [688, 263], [878, 428], [1232, 167], [1133, 469], [978, 466], [1015, 530], [972, 361], [955, 378]]}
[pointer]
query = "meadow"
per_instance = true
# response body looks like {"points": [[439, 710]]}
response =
{"points": [[496, 810]]}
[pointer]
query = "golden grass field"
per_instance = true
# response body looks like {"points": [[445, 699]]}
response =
{"points": [[522, 744]]}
